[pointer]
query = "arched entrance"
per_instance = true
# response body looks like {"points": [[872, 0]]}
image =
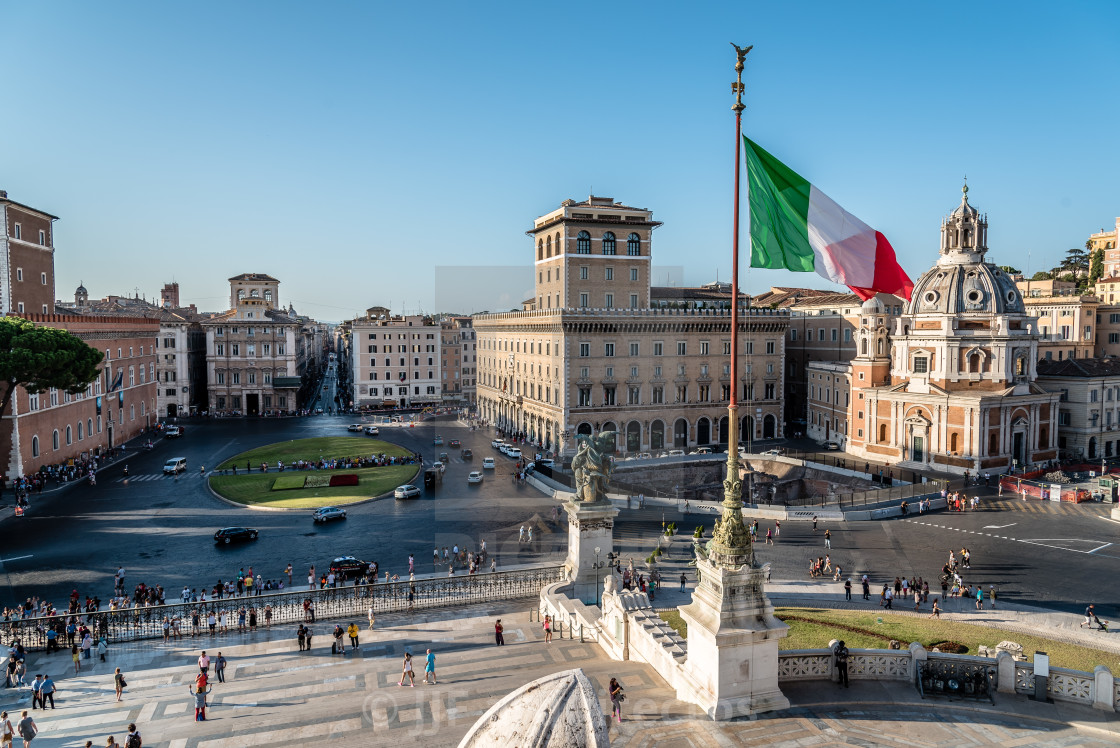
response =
{"points": [[609, 426], [769, 427], [703, 431], [633, 437], [172, 410], [723, 430], [657, 435], [584, 429], [1092, 449], [680, 434]]}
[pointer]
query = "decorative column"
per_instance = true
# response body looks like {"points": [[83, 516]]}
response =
{"points": [[732, 665], [590, 526]]}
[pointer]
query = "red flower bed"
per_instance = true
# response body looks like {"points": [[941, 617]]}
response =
{"points": [[346, 479]]}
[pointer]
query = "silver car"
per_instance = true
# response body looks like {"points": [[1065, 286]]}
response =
{"points": [[407, 491], [328, 513]]}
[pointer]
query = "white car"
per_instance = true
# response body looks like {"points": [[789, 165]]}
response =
{"points": [[354, 427], [437, 465], [772, 453], [545, 463], [372, 431], [497, 443], [676, 453], [475, 476], [487, 463], [173, 432], [175, 465], [513, 452], [406, 491]]}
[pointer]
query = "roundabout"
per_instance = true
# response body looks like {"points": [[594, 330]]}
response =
{"points": [[315, 472]]}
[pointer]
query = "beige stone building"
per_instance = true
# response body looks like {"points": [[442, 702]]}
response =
{"points": [[1107, 240], [659, 377], [251, 365], [829, 400], [1089, 405], [395, 360], [1066, 324], [458, 360]]}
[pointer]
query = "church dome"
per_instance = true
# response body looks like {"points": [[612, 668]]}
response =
{"points": [[966, 288], [872, 306], [81, 290]]}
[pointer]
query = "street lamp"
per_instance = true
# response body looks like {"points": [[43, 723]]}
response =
{"points": [[596, 576]]}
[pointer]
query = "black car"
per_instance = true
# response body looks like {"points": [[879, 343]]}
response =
{"points": [[349, 567], [231, 534], [467, 454]]}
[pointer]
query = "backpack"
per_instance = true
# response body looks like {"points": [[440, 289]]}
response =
{"points": [[134, 741], [842, 656]]}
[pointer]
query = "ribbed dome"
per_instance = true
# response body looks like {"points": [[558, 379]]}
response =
{"points": [[964, 209], [965, 288], [81, 289]]}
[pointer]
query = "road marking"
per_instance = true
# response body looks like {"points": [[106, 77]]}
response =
{"points": [[16, 558], [1110, 519], [999, 527], [1099, 548]]}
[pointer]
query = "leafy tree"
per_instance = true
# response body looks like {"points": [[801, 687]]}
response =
{"points": [[1010, 270], [1076, 261], [1042, 275], [39, 358], [1096, 266]]}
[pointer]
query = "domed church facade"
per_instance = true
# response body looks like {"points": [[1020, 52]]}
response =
{"points": [[953, 386]]}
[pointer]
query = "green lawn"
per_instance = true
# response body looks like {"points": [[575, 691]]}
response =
{"points": [[256, 488], [813, 628], [313, 449]]}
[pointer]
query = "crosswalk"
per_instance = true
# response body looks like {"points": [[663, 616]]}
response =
{"points": [[1044, 507], [147, 477]]}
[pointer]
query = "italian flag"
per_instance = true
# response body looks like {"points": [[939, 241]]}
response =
{"points": [[797, 227]]}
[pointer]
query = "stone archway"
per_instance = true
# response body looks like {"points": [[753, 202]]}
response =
{"points": [[769, 426], [723, 430], [633, 437], [610, 426], [657, 435], [703, 431], [680, 434]]}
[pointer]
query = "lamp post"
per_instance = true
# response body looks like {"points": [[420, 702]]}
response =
{"points": [[596, 576]]}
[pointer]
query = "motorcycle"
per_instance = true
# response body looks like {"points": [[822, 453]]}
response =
{"points": [[126, 471]]}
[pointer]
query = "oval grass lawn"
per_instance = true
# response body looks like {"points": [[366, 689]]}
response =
{"points": [[325, 447], [256, 489]]}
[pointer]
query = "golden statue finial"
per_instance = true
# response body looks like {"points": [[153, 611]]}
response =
{"points": [[737, 87]]}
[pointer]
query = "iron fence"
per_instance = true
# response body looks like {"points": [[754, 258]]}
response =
{"points": [[191, 619]]}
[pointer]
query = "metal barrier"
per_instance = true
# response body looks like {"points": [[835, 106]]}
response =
{"points": [[190, 619]]}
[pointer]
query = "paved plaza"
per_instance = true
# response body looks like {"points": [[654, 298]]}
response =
{"points": [[276, 695]]}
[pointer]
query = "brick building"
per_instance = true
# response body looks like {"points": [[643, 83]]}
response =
{"points": [[53, 427], [26, 258]]}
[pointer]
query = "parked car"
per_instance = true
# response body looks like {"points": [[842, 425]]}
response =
{"points": [[229, 535], [676, 453], [438, 441], [454, 443], [497, 443], [832, 446], [513, 452], [372, 431], [773, 453], [545, 462], [475, 476], [487, 463], [173, 432], [175, 465], [467, 454], [348, 566], [704, 451], [407, 491], [328, 513], [354, 427]]}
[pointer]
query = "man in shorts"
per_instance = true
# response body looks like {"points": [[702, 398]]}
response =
{"points": [[430, 668], [1089, 612]]}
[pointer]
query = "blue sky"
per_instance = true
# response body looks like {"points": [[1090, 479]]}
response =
{"points": [[361, 151]]}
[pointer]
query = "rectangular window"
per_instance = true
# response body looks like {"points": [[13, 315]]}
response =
{"points": [[1114, 337], [236, 377], [19, 231], [633, 395], [657, 372], [634, 373], [792, 334], [608, 396], [584, 350], [608, 349], [608, 273], [657, 348], [236, 349], [921, 365], [633, 301], [584, 372], [633, 349], [43, 276], [584, 397], [583, 272], [769, 391], [703, 347], [633, 274], [770, 346], [682, 348], [19, 274], [658, 395], [834, 335], [609, 301], [847, 336], [221, 349], [583, 300]]}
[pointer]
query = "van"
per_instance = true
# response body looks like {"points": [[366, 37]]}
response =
{"points": [[175, 465]]}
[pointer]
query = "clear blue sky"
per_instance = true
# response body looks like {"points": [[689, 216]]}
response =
{"points": [[354, 149]]}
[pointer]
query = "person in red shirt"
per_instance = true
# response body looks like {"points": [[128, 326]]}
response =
{"points": [[499, 640]]}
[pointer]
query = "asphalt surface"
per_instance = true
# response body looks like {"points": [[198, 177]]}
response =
{"points": [[161, 528]]}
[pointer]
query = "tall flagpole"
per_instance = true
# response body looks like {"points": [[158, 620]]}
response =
{"points": [[731, 545]]}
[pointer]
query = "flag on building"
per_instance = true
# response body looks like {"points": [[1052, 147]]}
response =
{"points": [[797, 227]]}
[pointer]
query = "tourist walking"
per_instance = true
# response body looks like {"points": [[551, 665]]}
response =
{"points": [[430, 668], [841, 653], [372, 619], [617, 697], [548, 628], [46, 691], [979, 597], [352, 632], [936, 610], [204, 663], [499, 640], [828, 539], [119, 683], [406, 671], [6, 730], [27, 729], [200, 691], [848, 590], [133, 740]]}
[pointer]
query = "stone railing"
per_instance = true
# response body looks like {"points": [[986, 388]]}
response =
{"points": [[133, 624], [1098, 689]]}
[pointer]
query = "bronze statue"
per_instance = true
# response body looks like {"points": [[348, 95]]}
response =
{"points": [[593, 465]]}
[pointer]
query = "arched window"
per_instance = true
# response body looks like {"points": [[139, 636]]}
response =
{"points": [[608, 243], [34, 446], [255, 294], [862, 347], [81, 433], [268, 296], [583, 243], [240, 294], [54, 439], [953, 442], [89, 426], [974, 363], [634, 245], [548, 247], [882, 433], [69, 436], [540, 249]]}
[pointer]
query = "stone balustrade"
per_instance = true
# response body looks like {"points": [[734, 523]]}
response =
{"points": [[1099, 689]]}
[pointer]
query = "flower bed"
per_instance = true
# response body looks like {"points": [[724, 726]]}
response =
{"points": [[346, 479], [288, 482]]}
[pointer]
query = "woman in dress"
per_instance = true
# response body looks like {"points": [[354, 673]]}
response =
{"points": [[406, 671], [118, 683]]}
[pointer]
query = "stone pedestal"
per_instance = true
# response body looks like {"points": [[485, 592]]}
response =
{"points": [[732, 665], [590, 526]]}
